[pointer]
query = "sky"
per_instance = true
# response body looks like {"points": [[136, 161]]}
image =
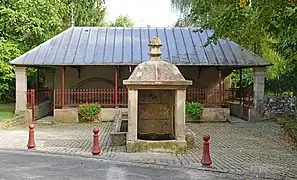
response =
{"points": [[156, 13]]}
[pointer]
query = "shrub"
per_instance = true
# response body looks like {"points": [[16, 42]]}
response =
{"points": [[194, 110], [88, 112], [290, 126]]}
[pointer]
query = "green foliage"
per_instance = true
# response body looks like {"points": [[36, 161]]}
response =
{"points": [[247, 26], [122, 21], [290, 126], [24, 24], [88, 112], [286, 83], [8, 50], [194, 110], [86, 12], [247, 78], [266, 27], [31, 22], [6, 115], [6, 111]]}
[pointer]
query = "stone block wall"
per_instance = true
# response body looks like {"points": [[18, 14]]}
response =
{"points": [[272, 106], [212, 115], [279, 105], [155, 111], [70, 115], [215, 114]]}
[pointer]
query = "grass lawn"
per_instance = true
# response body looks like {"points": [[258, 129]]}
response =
{"points": [[6, 111]]}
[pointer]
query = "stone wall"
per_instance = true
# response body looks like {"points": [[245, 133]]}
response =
{"points": [[102, 77], [273, 106], [212, 115], [155, 111], [215, 114], [70, 115], [278, 105]]}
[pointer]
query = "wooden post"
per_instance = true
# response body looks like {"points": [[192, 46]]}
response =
{"points": [[63, 87], [220, 87], [37, 87], [33, 104], [54, 99], [116, 87], [240, 86], [223, 92]]}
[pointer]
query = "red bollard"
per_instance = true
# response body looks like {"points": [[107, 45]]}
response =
{"points": [[96, 147], [206, 160], [31, 141]]}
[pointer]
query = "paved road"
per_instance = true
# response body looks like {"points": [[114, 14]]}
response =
{"points": [[31, 165]]}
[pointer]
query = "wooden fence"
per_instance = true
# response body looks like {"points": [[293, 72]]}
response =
{"points": [[107, 97]]}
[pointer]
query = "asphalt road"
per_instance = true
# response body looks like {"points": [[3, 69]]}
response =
{"points": [[30, 165]]}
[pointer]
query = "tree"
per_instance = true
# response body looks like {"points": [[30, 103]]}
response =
{"points": [[86, 12], [122, 21], [266, 27], [30, 22], [8, 50], [25, 24], [267, 19]]}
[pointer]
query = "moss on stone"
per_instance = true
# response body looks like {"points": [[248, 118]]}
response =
{"points": [[190, 140], [141, 146]]}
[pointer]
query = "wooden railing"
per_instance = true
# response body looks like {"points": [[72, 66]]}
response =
{"points": [[244, 97], [31, 98], [43, 95], [240, 95], [38, 96], [208, 97], [106, 97]]}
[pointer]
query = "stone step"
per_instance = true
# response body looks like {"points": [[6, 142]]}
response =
{"points": [[233, 120], [48, 120]]}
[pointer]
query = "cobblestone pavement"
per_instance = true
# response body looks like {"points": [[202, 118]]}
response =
{"points": [[252, 148], [61, 138]]}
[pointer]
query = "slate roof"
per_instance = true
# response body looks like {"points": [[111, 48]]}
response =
{"points": [[129, 46]]}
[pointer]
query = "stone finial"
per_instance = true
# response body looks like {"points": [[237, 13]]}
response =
{"points": [[155, 48]]}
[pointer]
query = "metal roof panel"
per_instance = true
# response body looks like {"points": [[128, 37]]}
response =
{"points": [[129, 46]]}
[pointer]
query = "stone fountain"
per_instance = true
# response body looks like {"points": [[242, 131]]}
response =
{"points": [[156, 108]]}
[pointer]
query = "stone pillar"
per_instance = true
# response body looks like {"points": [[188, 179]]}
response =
{"points": [[180, 111], [258, 89], [21, 89], [132, 114]]}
